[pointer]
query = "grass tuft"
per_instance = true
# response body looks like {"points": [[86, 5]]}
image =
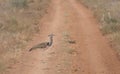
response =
{"points": [[111, 28]]}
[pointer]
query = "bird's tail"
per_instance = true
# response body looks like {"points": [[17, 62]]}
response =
{"points": [[30, 49], [33, 48]]}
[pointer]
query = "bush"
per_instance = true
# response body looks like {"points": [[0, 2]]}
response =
{"points": [[19, 3], [111, 28]]}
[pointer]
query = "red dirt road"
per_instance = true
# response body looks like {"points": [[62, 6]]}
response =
{"points": [[90, 54]]}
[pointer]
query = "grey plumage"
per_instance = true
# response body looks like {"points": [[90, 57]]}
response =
{"points": [[44, 44]]}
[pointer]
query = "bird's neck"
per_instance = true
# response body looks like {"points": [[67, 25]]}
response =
{"points": [[51, 41]]}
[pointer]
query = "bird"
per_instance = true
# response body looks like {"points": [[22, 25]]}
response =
{"points": [[44, 44]]}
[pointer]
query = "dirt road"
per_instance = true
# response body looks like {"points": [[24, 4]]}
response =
{"points": [[89, 53]]}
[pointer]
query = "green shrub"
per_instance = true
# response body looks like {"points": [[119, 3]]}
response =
{"points": [[111, 20], [19, 3], [111, 28]]}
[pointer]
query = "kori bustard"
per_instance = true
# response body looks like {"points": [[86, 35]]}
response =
{"points": [[44, 44]]}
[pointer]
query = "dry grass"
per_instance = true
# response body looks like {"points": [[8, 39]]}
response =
{"points": [[67, 40], [18, 23], [107, 12]]}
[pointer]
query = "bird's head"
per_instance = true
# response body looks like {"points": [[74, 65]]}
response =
{"points": [[51, 35]]}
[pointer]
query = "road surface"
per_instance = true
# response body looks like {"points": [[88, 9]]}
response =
{"points": [[89, 53]]}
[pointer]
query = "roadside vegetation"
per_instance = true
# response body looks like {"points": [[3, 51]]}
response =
{"points": [[107, 12], [19, 20]]}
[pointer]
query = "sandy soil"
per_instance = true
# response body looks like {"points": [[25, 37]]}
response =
{"points": [[90, 54]]}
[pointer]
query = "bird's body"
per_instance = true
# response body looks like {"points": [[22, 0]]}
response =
{"points": [[44, 44], [41, 45]]}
